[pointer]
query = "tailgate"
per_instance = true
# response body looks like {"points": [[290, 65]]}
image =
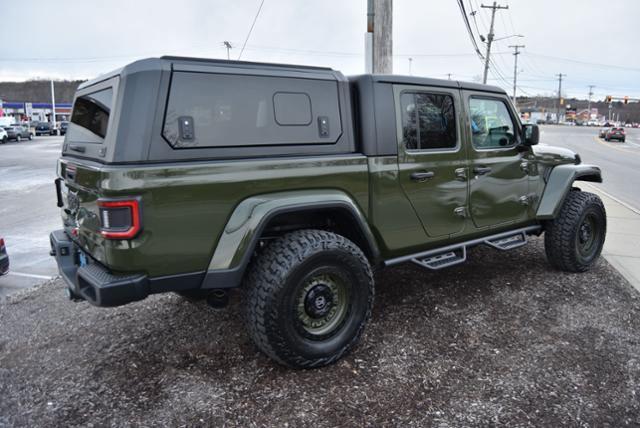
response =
{"points": [[80, 190]]}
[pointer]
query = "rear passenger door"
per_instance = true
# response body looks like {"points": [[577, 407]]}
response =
{"points": [[431, 157]]}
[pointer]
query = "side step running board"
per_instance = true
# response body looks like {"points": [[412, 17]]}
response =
{"points": [[508, 242], [451, 255], [443, 260]]}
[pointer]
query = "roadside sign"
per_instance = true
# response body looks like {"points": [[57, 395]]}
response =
{"points": [[28, 109]]}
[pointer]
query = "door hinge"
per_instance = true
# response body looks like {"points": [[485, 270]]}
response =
{"points": [[461, 174], [524, 200], [460, 212], [524, 166]]}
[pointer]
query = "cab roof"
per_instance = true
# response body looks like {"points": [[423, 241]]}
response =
{"points": [[427, 81]]}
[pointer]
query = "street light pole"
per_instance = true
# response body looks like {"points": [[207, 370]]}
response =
{"points": [[228, 46], [53, 106], [590, 95], [560, 76]]}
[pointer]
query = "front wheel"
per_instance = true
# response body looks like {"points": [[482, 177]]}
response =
{"points": [[18, 139], [573, 240], [30, 137], [308, 296]]}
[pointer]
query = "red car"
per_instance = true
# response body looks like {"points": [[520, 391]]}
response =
{"points": [[615, 134]]}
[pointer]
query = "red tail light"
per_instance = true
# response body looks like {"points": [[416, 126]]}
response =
{"points": [[120, 219], [1, 243]]}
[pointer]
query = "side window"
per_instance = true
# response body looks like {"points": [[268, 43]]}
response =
{"points": [[428, 121], [491, 124], [208, 110]]}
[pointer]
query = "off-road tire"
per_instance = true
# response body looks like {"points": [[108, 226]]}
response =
{"points": [[279, 274], [562, 234]]}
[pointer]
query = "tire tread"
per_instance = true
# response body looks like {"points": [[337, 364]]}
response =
{"points": [[560, 232], [266, 279]]}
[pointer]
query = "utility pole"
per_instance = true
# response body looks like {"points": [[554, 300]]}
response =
{"points": [[410, 61], [229, 47], [490, 37], [590, 95], [449, 76], [378, 42], [560, 76], [515, 70], [53, 106]]}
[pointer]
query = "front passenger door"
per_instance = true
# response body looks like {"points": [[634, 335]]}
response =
{"points": [[498, 170]]}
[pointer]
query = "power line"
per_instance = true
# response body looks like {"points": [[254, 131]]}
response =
{"points": [[473, 14], [482, 21], [469, 30], [594, 64], [250, 30]]}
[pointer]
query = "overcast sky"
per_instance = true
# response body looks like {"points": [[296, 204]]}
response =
{"points": [[591, 41]]}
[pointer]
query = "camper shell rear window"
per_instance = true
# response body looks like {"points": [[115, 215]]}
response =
{"points": [[91, 115]]}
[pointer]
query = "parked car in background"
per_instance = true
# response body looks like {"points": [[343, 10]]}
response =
{"points": [[45, 128], [615, 134], [18, 132], [4, 258], [3, 136], [603, 132], [63, 128]]}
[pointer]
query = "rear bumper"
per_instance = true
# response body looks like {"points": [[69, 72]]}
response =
{"points": [[94, 283]]}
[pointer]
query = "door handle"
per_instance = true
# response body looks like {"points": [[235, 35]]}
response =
{"points": [[422, 176], [481, 170]]}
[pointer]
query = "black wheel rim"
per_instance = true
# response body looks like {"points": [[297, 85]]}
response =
{"points": [[322, 304], [588, 236]]}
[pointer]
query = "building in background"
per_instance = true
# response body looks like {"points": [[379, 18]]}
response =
{"points": [[35, 112]]}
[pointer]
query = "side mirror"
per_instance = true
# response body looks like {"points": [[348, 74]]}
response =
{"points": [[530, 135]]}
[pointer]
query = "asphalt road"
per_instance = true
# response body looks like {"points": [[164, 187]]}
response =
{"points": [[620, 162], [28, 210]]}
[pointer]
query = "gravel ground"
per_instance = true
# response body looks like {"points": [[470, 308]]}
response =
{"points": [[502, 339]]}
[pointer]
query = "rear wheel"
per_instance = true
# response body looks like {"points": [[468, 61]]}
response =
{"points": [[573, 240], [18, 138], [30, 136], [308, 297], [4, 139]]}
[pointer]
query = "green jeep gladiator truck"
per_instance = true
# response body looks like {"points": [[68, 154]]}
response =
{"points": [[296, 183]]}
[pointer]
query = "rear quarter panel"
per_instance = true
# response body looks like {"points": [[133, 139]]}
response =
{"points": [[185, 207]]}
